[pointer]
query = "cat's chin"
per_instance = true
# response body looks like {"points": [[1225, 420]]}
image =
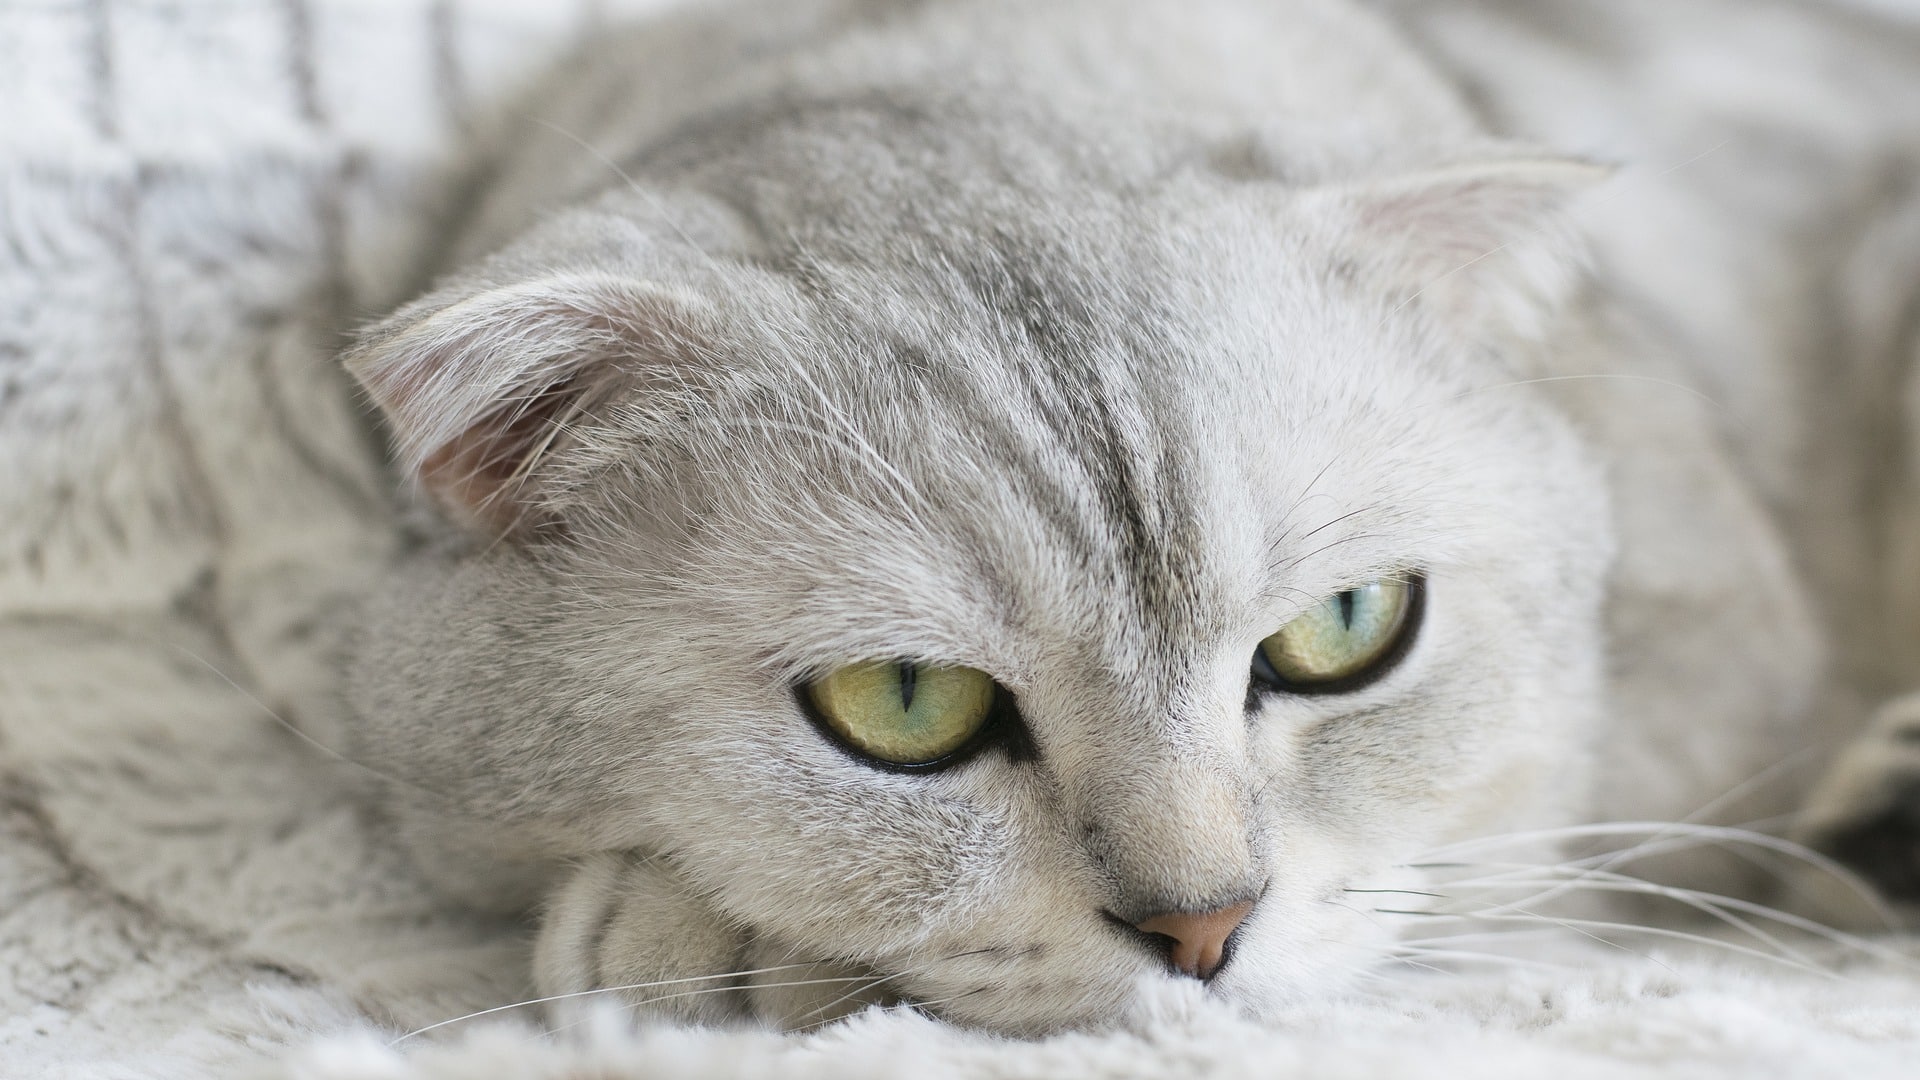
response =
{"points": [[627, 930], [1151, 1001], [1283, 968]]}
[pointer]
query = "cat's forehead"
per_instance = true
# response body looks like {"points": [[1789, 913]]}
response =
{"points": [[1069, 432]]}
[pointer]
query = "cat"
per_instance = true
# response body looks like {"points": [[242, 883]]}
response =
{"points": [[1019, 508]]}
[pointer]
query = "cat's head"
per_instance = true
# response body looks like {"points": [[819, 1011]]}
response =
{"points": [[964, 591]]}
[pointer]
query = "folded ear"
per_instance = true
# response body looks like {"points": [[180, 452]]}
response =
{"points": [[481, 390], [1484, 240]]}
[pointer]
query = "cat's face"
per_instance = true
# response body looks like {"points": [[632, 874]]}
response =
{"points": [[1098, 456]]}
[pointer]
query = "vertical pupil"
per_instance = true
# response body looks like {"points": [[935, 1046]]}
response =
{"points": [[1346, 610], [909, 673]]}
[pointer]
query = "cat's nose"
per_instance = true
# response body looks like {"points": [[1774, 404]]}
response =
{"points": [[1198, 939]]}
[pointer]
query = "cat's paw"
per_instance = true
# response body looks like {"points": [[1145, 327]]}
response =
{"points": [[1866, 812], [626, 929]]}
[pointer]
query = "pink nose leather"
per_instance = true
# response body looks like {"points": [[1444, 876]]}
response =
{"points": [[1199, 940]]}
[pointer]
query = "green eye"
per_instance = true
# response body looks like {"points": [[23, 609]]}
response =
{"points": [[1351, 636], [904, 713]]}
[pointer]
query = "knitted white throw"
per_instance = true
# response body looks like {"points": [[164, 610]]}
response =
{"points": [[194, 199]]}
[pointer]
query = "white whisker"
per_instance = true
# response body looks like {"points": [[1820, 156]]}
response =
{"points": [[602, 990], [1712, 904], [1585, 928], [1669, 835], [1470, 956], [1684, 896], [850, 995]]}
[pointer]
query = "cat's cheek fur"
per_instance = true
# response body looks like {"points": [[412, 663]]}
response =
{"points": [[940, 896]]}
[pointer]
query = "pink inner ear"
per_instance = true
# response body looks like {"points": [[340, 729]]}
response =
{"points": [[480, 391], [1485, 242], [1467, 210], [1454, 223], [479, 472]]}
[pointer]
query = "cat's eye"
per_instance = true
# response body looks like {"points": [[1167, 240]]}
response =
{"points": [[1344, 641], [904, 713]]}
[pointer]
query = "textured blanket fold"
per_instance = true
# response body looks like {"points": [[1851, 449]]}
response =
{"points": [[197, 199]]}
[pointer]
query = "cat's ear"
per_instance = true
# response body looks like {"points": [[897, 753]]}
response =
{"points": [[479, 391], [1485, 240]]}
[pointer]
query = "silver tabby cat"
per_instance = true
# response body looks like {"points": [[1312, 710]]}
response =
{"points": [[1018, 506]]}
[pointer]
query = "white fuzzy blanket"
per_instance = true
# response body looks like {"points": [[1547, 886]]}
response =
{"points": [[194, 199]]}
